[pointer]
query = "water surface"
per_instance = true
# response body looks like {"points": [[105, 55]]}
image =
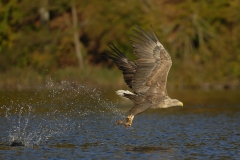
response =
{"points": [[78, 122]]}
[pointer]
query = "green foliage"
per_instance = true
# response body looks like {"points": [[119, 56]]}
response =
{"points": [[203, 37]]}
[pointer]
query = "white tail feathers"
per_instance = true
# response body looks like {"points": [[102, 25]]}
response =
{"points": [[122, 92]]}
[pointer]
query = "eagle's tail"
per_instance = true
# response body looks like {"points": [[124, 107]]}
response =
{"points": [[126, 94]]}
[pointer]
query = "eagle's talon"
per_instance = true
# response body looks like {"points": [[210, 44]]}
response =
{"points": [[127, 126]]}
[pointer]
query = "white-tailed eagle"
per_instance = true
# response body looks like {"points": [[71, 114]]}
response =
{"points": [[147, 76]]}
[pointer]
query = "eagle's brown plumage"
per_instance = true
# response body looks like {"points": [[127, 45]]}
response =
{"points": [[147, 77]]}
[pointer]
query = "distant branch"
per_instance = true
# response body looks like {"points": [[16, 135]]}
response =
{"points": [[76, 35]]}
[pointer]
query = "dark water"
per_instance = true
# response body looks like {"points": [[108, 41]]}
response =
{"points": [[80, 123]]}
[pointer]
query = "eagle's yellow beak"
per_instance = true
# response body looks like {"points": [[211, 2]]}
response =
{"points": [[180, 104]]}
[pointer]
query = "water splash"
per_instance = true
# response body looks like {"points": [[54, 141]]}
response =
{"points": [[35, 118]]}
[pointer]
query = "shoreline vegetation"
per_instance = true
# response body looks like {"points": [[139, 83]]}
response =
{"points": [[55, 41], [92, 77]]}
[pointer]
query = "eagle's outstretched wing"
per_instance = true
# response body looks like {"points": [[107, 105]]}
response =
{"points": [[149, 74], [153, 63], [127, 67]]}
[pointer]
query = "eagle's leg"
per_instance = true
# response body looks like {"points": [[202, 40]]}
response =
{"points": [[127, 121]]}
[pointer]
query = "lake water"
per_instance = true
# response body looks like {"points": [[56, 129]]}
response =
{"points": [[75, 122]]}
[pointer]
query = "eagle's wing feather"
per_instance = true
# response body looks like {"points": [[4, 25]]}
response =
{"points": [[153, 63], [127, 67]]}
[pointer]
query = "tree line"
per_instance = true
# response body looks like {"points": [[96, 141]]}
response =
{"points": [[202, 37]]}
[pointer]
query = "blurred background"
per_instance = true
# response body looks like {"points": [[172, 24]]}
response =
{"points": [[62, 40]]}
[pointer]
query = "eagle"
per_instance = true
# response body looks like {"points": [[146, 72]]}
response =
{"points": [[147, 76]]}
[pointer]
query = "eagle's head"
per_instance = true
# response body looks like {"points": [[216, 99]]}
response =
{"points": [[171, 103]]}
